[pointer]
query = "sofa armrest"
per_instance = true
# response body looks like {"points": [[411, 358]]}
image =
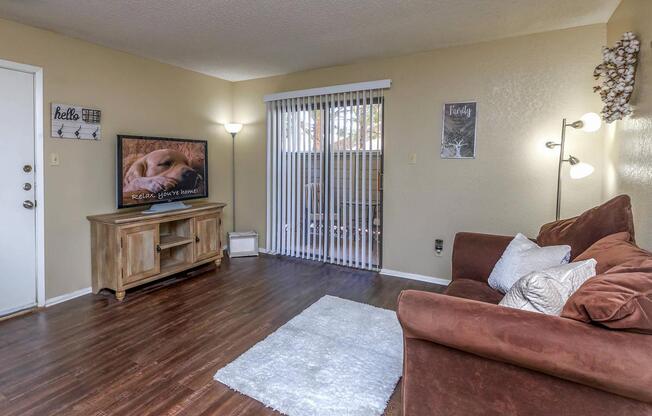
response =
{"points": [[613, 361], [475, 255]]}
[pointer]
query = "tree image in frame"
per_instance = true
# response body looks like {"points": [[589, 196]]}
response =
{"points": [[458, 136]]}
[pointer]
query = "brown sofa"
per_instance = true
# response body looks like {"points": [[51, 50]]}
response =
{"points": [[466, 355]]}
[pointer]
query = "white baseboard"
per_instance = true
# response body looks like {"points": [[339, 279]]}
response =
{"points": [[67, 296], [11, 311], [414, 276]]}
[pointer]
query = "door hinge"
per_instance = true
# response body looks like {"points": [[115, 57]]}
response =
{"points": [[120, 242]]}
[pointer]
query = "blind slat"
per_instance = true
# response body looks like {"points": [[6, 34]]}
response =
{"points": [[324, 161]]}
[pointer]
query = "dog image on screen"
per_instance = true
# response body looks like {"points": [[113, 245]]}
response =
{"points": [[161, 170]]}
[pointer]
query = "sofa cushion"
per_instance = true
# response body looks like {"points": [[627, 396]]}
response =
{"points": [[636, 260], [638, 264], [474, 290], [615, 300], [581, 232], [475, 255], [615, 250]]}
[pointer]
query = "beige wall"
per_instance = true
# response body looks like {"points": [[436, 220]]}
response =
{"points": [[524, 87], [628, 166], [135, 95]]}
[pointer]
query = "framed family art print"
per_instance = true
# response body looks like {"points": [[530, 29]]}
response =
{"points": [[458, 130]]}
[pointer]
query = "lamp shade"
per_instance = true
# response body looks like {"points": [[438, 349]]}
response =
{"points": [[591, 122], [581, 170], [233, 128]]}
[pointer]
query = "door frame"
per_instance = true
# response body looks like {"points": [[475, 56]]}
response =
{"points": [[39, 174]]}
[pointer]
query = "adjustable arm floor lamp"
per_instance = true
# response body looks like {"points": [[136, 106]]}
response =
{"points": [[589, 122]]}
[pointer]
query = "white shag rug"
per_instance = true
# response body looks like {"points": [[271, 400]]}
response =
{"points": [[336, 358]]}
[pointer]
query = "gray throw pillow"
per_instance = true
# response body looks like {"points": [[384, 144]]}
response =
{"points": [[548, 290]]}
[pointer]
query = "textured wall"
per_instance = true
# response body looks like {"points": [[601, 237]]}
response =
{"points": [[628, 165], [524, 87], [137, 96]]}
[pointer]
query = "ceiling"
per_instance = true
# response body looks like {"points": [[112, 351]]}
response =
{"points": [[245, 39]]}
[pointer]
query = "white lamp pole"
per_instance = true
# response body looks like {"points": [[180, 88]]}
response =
{"points": [[233, 129]]}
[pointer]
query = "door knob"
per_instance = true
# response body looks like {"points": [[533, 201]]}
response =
{"points": [[28, 204], [27, 168], [27, 186]]}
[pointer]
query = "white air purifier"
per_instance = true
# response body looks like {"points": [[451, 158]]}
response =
{"points": [[243, 244]]}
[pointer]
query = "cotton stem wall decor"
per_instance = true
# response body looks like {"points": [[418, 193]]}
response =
{"points": [[617, 71]]}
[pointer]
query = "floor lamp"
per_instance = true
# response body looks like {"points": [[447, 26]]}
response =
{"points": [[233, 129], [589, 122]]}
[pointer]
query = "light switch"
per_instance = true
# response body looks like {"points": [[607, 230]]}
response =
{"points": [[54, 159], [412, 159]]}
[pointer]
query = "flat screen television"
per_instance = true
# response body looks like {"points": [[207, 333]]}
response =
{"points": [[153, 170]]}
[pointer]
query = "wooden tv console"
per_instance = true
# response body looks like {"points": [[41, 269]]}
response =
{"points": [[132, 248]]}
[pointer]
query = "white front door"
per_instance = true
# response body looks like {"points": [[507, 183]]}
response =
{"points": [[18, 231]]}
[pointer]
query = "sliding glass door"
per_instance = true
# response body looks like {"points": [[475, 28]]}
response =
{"points": [[325, 159]]}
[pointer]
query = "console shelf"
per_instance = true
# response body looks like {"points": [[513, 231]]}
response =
{"points": [[169, 241], [130, 249], [172, 264]]}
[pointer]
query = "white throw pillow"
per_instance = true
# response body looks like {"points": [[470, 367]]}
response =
{"points": [[521, 257], [548, 290]]}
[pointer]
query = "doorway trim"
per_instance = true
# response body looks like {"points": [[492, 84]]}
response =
{"points": [[39, 174]]}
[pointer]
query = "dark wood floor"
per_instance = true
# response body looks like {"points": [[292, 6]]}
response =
{"points": [[156, 352]]}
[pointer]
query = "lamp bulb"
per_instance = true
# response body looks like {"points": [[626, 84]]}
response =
{"points": [[591, 122], [233, 128], [581, 170]]}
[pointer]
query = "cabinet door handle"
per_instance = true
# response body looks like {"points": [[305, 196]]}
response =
{"points": [[158, 248], [196, 239]]}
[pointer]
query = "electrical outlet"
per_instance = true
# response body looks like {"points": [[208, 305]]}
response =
{"points": [[439, 247]]}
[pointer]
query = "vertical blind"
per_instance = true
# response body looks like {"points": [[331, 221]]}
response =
{"points": [[324, 184]]}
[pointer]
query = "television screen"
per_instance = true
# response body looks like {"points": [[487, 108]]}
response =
{"points": [[155, 169]]}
